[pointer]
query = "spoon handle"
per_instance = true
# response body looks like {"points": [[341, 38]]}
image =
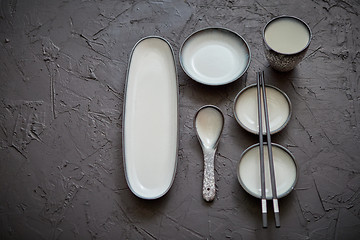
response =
{"points": [[209, 176]]}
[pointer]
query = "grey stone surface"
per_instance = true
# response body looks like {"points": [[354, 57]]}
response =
{"points": [[62, 73]]}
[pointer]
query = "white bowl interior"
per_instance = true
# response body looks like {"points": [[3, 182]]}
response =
{"points": [[249, 171], [246, 109], [215, 56]]}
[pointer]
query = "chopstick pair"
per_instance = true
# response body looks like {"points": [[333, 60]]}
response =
{"points": [[261, 84]]}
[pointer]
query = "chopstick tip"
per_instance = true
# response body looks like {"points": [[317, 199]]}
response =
{"points": [[264, 220], [277, 219]]}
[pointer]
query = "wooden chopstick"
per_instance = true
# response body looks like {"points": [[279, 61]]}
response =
{"points": [[261, 152], [271, 162]]}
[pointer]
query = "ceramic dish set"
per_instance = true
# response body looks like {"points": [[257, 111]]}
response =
{"points": [[211, 56]]}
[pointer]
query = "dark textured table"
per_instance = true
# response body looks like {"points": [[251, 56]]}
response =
{"points": [[62, 73]]}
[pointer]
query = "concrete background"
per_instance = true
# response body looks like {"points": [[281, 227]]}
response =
{"points": [[62, 76]]}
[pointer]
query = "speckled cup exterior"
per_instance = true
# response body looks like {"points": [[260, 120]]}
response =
{"points": [[280, 61]]}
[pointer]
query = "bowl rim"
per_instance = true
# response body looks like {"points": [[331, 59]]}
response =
{"points": [[243, 185], [257, 132], [220, 29], [292, 17]]}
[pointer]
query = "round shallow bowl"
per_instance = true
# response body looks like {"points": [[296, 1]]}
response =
{"points": [[215, 56], [248, 171], [246, 109]]}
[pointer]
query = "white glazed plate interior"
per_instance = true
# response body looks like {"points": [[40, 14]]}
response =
{"points": [[246, 109], [151, 119], [215, 56], [249, 171]]}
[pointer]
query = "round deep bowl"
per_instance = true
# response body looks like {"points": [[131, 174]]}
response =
{"points": [[246, 109], [215, 56], [248, 171]]}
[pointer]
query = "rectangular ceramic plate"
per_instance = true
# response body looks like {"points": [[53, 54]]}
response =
{"points": [[150, 125]]}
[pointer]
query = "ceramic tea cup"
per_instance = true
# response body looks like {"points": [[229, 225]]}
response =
{"points": [[286, 40]]}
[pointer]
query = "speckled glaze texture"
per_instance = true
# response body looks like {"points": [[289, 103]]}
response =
{"points": [[209, 189], [283, 62], [62, 77]]}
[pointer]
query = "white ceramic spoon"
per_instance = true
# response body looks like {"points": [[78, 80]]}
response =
{"points": [[209, 123]]}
